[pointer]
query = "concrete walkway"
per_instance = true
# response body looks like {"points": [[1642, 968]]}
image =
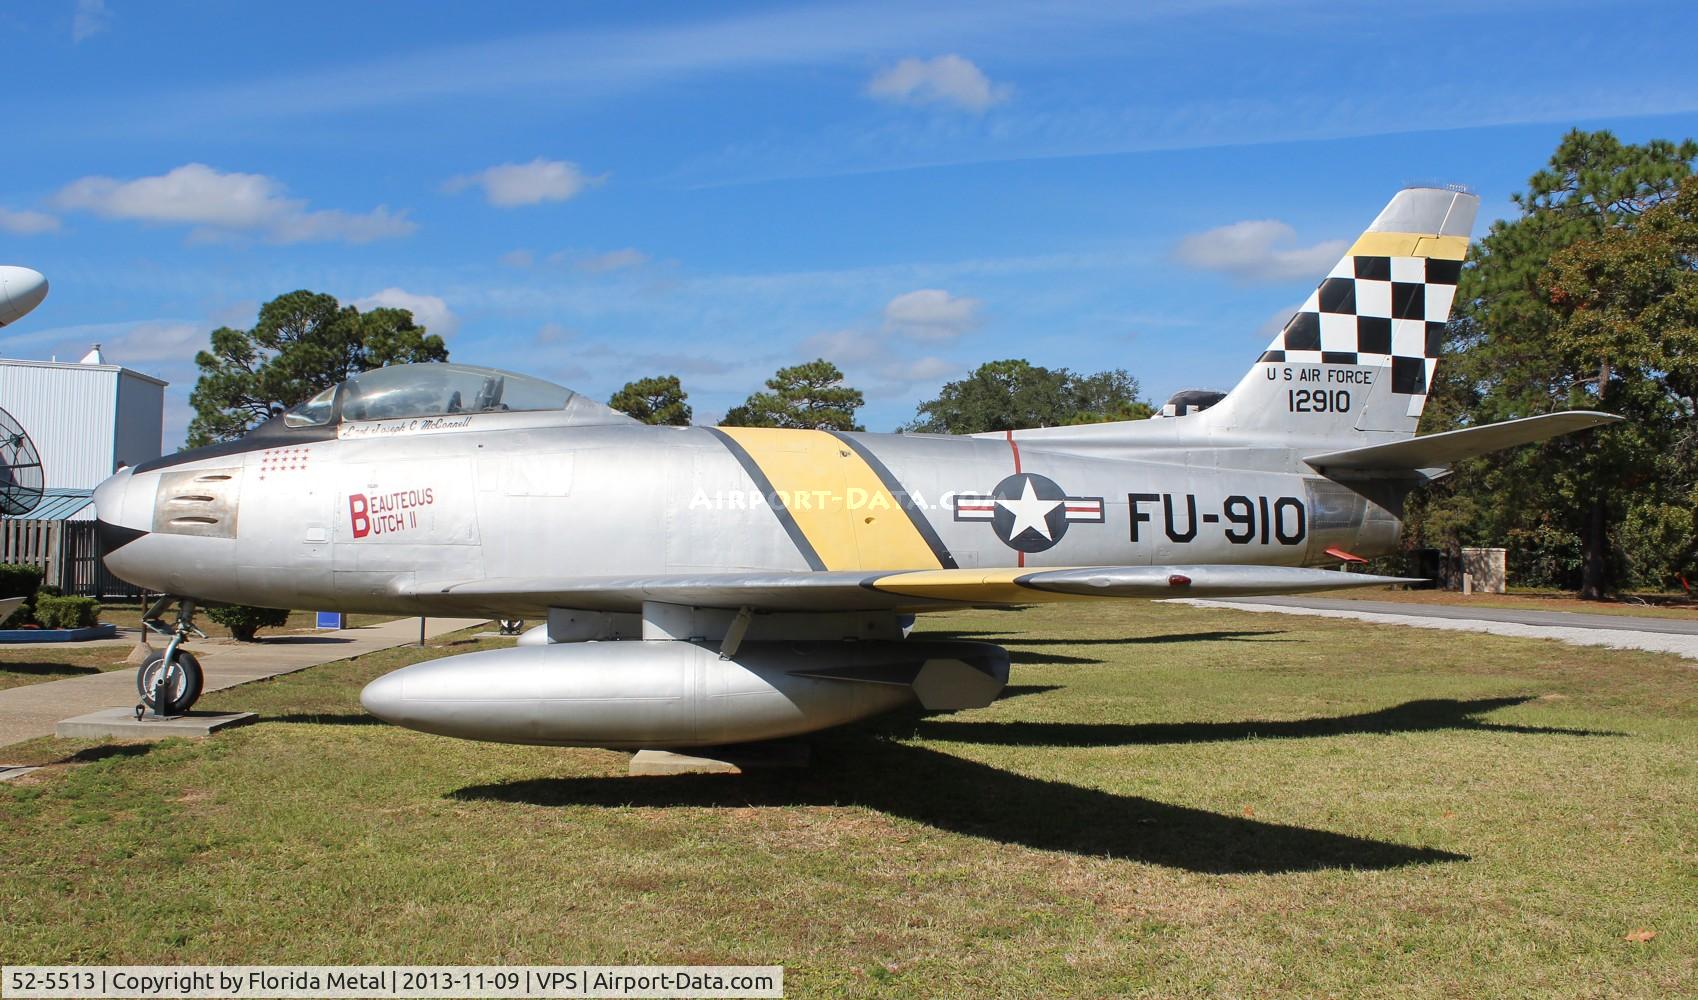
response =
{"points": [[32, 710], [1516, 616], [1658, 635]]}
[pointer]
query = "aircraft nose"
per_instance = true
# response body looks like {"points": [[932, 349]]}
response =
{"points": [[109, 495], [21, 289], [110, 503]]}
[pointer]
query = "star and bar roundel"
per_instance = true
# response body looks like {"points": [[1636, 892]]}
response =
{"points": [[1027, 511]]}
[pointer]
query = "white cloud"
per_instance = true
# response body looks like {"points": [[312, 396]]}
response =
{"points": [[946, 79], [428, 311], [27, 223], [173, 344], [932, 314], [612, 260], [920, 369], [686, 364], [844, 346], [222, 204], [90, 19], [193, 193], [518, 258], [863, 353], [240, 314], [509, 185], [554, 333], [332, 225], [1259, 250]]}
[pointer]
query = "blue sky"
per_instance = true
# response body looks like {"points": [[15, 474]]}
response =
{"points": [[593, 193]]}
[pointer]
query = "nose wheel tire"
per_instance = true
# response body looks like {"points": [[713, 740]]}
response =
{"points": [[182, 683]]}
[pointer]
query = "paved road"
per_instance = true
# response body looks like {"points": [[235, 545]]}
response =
{"points": [[1560, 619], [32, 710], [1658, 635]]}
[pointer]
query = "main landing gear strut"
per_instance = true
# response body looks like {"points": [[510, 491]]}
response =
{"points": [[169, 682]]}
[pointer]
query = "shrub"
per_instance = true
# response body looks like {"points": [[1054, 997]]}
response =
{"points": [[17, 580], [22, 616], [243, 621], [66, 612]]}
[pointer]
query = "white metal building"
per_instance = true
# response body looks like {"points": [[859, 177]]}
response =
{"points": [[86, 418]]}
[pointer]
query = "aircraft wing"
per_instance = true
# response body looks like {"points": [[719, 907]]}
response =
{"points": [[1433, 451], [914, 590]]}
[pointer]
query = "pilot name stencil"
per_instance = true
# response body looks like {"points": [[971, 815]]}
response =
{"points": [[377, 514], [412, 425]]}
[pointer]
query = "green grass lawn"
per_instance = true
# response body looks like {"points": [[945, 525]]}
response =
{"points": [[1168, 801], [38, 664], [129, 615]]}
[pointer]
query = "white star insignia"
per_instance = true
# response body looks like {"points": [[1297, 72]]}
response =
{"points": [[1030, 512]]}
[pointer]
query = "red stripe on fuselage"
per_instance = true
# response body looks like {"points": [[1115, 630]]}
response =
{"points": [[1015, 448]]}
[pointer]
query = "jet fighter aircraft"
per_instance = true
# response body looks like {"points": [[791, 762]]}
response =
{"points": [[715, 585]]}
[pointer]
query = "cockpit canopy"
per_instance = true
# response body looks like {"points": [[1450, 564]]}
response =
{"points": [[436, 390]]}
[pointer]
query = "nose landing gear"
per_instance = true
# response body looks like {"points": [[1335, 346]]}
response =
{"points": [[169, 682]]}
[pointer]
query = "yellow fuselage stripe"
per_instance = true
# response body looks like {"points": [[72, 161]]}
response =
{"points": [[839, 502], [1410, 245]]}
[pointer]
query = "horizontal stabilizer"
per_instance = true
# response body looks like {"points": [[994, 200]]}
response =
{"points": [[911, 590], [1438, 450]]}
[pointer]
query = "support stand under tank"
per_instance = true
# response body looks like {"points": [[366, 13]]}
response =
{"points": [[739, 758]]}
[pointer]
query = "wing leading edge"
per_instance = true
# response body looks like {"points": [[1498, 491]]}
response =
{"points": [[914, 590]]}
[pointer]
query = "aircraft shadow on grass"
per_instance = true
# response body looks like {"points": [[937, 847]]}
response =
{"points": [[863, 767], [1425, 715], [89, 755], [1016, 639], [326, 719], [49, 669], [1039, 658], [967, 797], [1022, 690]]}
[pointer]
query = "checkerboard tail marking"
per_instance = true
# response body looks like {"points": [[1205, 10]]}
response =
{"points": [[1361, 352]]}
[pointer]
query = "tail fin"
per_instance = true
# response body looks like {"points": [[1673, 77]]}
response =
{"points": [[1359, 356]]}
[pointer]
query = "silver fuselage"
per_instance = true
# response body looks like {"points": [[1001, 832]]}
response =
{"points": [[353, 520]]}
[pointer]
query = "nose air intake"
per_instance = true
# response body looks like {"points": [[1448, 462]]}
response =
{"points": [[109, 503]]}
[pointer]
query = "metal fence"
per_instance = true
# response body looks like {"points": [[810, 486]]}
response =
{"points": [[68, 554]]}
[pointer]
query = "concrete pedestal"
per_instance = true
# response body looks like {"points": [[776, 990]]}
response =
{"points": [[719, 760], [121, 724]]}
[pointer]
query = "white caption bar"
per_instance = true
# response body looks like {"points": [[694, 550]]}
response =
{"points": [[392, 981]]}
